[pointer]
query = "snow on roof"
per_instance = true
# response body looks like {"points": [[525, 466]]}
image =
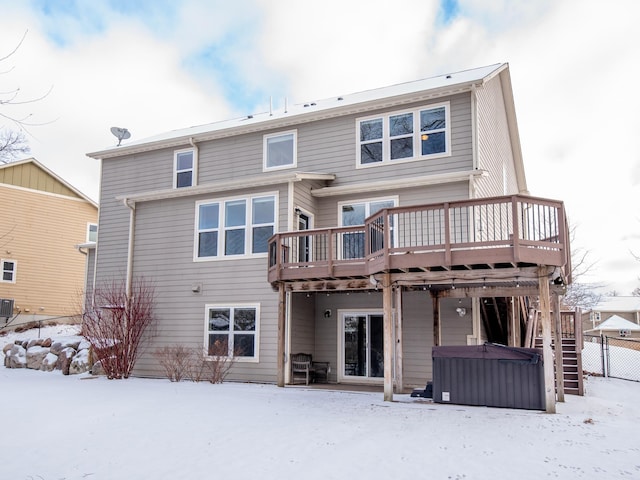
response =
{"points": [[322, 108], [618, 304], [617, 323]]}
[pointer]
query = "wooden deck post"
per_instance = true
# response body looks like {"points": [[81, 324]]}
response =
{"points": [[435, 298], [387, 306], [558, 347], [547, 352], [281, 336], [398, 345]]}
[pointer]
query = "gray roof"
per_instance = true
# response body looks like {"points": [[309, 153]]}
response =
{"points": [[616, 323], [618, 304], [340, 105]]}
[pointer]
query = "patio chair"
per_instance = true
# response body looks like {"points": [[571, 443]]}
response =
{"points": [[301, 367]]}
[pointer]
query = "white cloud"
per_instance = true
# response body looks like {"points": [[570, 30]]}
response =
{"points": [[573, 66]]}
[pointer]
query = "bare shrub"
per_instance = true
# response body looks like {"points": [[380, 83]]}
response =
{"points": [[26, 326], [115, 323], [176, 361], [180, 362], [212, 364]]}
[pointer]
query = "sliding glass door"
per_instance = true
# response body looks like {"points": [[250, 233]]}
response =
{"points": [[362, 345]]}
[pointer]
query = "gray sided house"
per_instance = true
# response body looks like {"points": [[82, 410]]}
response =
{"points": [[362, 229]]}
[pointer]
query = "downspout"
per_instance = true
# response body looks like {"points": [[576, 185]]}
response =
{"points": [[86, 275], [474, 139], [196, 158], [132, 224]]}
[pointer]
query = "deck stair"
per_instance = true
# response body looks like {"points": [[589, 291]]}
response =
{"points": [[571, 364]]}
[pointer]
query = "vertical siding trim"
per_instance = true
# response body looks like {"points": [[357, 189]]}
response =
{"points": [[474, 127], [132, 229], [290, 194]]}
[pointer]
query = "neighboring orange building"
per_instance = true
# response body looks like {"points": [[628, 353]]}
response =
{"points": [[42, 221]]}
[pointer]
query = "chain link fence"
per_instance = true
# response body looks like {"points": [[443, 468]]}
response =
{"points": [[611, 357]]}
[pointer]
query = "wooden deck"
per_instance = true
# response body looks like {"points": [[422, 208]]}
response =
{"points": [[491, 238]]}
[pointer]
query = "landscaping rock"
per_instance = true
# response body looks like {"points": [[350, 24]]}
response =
{"points": [[64, 359], [35, 356], [70, 356], [16, 357], [58, 347], [97, 369], [49, 362], [80, 363]]}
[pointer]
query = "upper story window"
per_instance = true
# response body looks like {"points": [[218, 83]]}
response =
{"points": [[398, 136], [92, 232], [234, 227], [184, 168], [9, 270], [280, 150]]}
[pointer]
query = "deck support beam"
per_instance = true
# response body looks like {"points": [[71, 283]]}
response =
{"points": [[281, 334], [435, 299], [547, 352], [387, 306], [399, 353], [558, 347]]}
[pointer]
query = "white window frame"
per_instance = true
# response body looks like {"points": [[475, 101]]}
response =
{"points": [[265, 150], [248, 227], [193, 169], [367, 202], [386, 137], [14, 272], [232, 306], [89, 225], [341, 313]]}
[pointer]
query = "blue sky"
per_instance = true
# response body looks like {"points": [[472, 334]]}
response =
{"points": [[158, 65]]}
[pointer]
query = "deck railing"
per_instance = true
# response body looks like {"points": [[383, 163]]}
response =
{"points": [[494, 231]]}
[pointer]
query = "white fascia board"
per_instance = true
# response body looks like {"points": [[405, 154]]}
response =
{"points": [[398, 183], [247, 182]]}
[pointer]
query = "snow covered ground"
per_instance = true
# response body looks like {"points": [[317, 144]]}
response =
{"points": [[75, 427]]}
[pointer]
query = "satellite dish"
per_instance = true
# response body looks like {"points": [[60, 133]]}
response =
{"points": [[120, 134]]}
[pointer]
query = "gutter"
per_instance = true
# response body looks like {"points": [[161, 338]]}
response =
{"points": [[382, 185]]}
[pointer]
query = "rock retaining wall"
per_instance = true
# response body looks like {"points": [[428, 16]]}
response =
{"points": [[71, 357]]}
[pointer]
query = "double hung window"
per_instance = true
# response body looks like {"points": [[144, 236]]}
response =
{"points": [[184, 168], [232, 331], [399, 136], [234, 227], [8, 270]]}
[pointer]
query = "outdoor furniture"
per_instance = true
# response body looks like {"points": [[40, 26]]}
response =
{"points": [[320, 371], [304, 368]]}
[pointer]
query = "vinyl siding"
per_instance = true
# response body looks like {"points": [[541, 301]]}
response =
{"points": [[40, 231], [328, 213], [30, 176], [494, 147], [164, 238], [302, 326], [164, 249], [417, 328]]}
